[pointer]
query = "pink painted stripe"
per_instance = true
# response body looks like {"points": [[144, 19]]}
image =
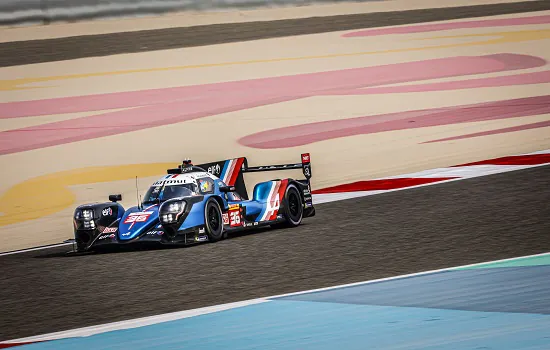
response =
{"points": [[113, 123], [542, 124], [174, 105], [277, 88], [314, 132], [451, 25], [511, 80]]}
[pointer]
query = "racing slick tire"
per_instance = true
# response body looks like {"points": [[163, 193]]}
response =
{"points": [[213, 220], [293, 209]]}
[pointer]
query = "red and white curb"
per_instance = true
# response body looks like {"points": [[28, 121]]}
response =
{"points": [[431, 177], [408, 181]]}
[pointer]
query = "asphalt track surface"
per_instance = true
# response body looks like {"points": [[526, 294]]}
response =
{"points": [[487, 218], [37, 51]]}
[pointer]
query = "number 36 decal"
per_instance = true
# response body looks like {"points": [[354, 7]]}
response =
{"points": [[234, 218]]}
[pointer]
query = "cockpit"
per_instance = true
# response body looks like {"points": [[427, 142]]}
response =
{"points": [[162, 193]]}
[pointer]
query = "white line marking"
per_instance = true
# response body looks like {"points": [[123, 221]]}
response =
{"points": [[147, 321], [415, 274], [464, 171], [36, 248], [540, 152], [135, 323]]}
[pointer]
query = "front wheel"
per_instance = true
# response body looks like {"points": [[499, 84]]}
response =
{"points": [[293, 209], [213, 220]]}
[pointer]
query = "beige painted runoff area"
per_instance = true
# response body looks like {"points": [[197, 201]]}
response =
{"points": [[215, 137]]}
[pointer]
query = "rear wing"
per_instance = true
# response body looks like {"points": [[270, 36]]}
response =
{"points": [[231, 171], [305, 165]]}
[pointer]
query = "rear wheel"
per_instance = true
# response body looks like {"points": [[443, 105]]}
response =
{"points": [[293, 209], [213, 220]]}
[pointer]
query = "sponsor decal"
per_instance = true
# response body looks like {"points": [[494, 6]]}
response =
{"points": [[201, 238], [201, 230], [107, 212], [106, 236], [126, 234], [132, 218], [305, 157], [171, 182], [214, 170], [280, 167], [255, 223], [225, 218], [110, 230], [154, 233], [234, 206]]}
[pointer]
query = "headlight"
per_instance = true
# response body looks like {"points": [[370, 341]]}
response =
{"points": [[86, 217], [89, 224], [174, 207], [87, 214], [170, 211], [84, 214]]}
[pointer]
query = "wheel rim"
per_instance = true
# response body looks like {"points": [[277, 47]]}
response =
{"points": [[293, 204], [213, 219]]}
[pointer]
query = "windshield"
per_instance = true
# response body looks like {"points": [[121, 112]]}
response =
{"points": [[169, 192]]}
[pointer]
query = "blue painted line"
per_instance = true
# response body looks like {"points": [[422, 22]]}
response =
{"points": [[510, 289], [309, 325]]}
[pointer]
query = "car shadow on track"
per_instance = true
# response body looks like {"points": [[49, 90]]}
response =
{"points": [[151, 246]]}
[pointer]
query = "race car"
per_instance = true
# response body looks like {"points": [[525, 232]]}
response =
{"points": [[193, 204]]}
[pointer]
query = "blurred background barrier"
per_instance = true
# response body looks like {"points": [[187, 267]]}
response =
{"points": [[16, 12]]}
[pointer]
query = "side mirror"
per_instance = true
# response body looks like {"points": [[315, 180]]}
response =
{"points": [[225, 189], [115, 197]]}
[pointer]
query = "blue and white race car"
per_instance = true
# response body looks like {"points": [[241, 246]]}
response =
{"points": [[193, 204]]}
